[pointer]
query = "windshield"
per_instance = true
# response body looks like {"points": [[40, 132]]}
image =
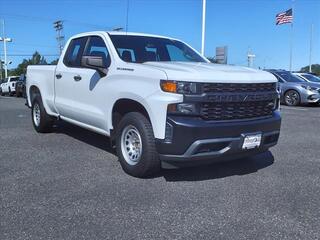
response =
{"points": [[311, 77], [14, 79], [289, 77], [139, 49]]}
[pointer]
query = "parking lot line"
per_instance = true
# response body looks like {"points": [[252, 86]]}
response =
{"points": [[294, 108]]}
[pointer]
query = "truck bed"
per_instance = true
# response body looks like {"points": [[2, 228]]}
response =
{"points": [[43, 77]]}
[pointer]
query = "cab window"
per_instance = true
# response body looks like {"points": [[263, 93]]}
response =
{"points": [[73, 55], [97, 47], [14, 79]]}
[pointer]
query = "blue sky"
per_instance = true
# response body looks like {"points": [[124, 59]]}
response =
{"points": [[239, 24]]}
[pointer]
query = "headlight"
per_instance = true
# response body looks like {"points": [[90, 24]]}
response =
{"points": [[179, 87], [309, 88], [183, 108]]}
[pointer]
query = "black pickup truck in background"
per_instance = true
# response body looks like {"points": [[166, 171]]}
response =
{"points": [[21, 86]]}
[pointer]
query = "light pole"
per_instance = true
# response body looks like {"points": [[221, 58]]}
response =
{"points": [[250, 57], [310, 54], [5, 40]]}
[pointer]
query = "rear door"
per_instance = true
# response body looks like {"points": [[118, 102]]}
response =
{"points": [[65, 81], [5, 86]]}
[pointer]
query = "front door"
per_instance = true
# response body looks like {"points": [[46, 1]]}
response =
{"points": [[87, 97]]}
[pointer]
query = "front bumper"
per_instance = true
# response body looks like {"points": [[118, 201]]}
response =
{"points": [[312, 97], [307, 96], [195, 141]]}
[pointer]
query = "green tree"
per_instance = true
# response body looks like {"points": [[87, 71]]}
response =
{"points": [[36, 59], [315, 69], [54, 62]]}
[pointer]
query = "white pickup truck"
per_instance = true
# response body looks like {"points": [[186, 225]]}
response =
{"points": [[8, 86], [159, 101]]}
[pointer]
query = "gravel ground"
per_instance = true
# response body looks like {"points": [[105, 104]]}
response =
{"points": [[69, 185]]}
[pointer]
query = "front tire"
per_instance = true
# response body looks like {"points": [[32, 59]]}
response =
{"points": [[292, 98], [135, 144], [42, 122]]}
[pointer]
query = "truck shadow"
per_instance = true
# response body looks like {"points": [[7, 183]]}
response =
{"points": [[220, 170], [83, 135], [199, 173]]}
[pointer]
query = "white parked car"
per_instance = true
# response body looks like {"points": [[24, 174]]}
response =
{"points": [[161, 103], [8, 86]]}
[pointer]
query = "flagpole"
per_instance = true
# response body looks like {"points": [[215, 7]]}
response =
{"points": [[291, 37], [203, 26]]}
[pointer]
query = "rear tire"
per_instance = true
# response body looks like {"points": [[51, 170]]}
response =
{"points": [[136, 147], [1, 93], [42, 122]]}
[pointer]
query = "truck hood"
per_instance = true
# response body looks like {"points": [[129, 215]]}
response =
{"points": [[209, 72]]}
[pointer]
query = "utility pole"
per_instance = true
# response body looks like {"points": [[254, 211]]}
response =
{"points": [[1, 69], [5, 40], [310, 56], [203, 25], [58, 25]]}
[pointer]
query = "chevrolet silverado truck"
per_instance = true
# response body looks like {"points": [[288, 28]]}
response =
{"points": [[160, 102]]}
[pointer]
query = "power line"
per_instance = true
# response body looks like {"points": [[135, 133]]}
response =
{"points": [[28, 55], [32, 45], [42, 19]]}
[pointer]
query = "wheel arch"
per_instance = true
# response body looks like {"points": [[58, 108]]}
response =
{"points": [[33, 92], [125, 105]]}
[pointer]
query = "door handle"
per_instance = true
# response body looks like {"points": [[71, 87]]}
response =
{"points": [[58, 76], [77, 78]]}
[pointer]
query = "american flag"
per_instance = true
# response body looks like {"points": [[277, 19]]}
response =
{"points": [[284, 17]]}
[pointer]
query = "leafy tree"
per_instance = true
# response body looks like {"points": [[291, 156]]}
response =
{"points": [[36, 59], [315, 69], [55, 62]]}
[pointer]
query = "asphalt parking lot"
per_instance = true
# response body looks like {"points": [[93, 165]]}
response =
{"points": [[69, 185]]}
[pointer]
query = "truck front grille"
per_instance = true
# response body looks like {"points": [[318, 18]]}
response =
{"points": [[238, 87], [236, 108]]}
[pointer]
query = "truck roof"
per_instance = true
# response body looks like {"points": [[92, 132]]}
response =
{"points": [[121, 33], [136, 34]]}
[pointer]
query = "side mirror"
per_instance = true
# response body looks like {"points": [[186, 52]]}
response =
{"points": [[96, 63]]}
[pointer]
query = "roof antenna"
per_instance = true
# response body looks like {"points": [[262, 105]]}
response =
{"points": [[127, 17]]}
